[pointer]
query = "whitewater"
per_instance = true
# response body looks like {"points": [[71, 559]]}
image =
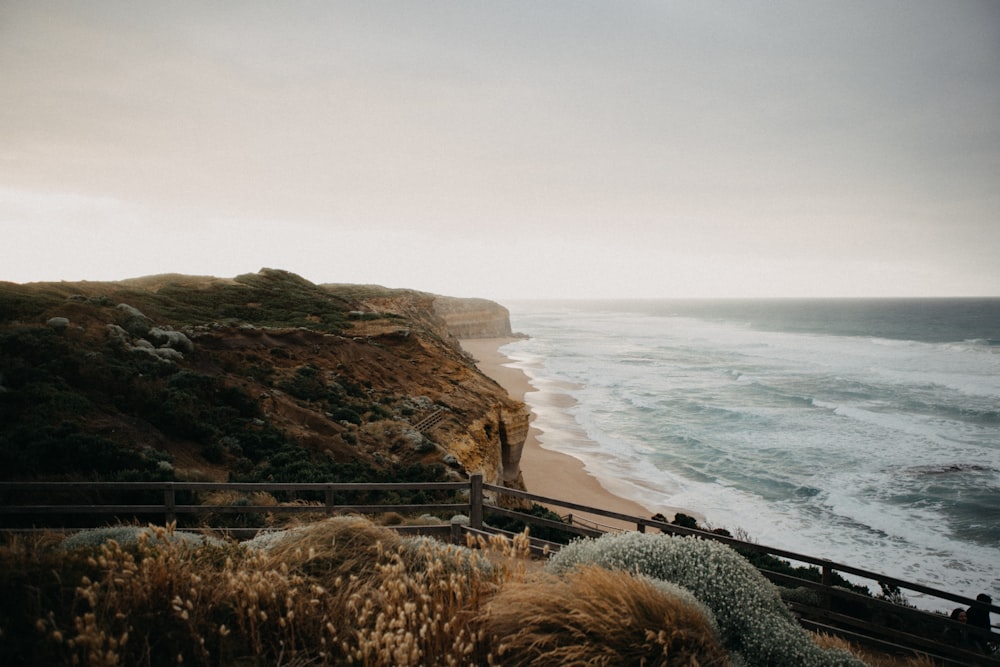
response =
{"points": [[864, 432]]}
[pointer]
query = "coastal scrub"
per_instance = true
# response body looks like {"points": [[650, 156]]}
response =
{"points": [[596, 616], [752, 619]]}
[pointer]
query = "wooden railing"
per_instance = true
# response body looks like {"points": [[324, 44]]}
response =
{"points": [[858, 617], [173, 505]]}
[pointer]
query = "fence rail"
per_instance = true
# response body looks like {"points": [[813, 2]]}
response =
{"points": [[889, 626]]}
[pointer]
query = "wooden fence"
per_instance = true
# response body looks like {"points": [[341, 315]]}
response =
{"points": [[878, 622]]}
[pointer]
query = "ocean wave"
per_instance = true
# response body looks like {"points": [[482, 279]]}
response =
{"points": [[868, 450]]}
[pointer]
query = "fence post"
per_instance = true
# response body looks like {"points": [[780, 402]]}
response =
{"points": [[476, 501], [170, 503], [827, 583], [328, 500]]}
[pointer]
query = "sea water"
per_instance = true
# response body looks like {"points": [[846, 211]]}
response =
{"points": [[866, 432]]}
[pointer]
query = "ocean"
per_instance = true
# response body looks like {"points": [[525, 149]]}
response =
{"points": [[864, 431]]}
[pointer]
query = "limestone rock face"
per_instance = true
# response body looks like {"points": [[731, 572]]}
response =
{"points": [[473, 318]]}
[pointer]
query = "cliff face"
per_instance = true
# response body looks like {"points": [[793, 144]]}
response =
{"points": [[208, 377], [473, 318]]}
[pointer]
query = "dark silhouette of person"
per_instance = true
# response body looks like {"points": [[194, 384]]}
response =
{"points": [[957, 636], [978, 616]]}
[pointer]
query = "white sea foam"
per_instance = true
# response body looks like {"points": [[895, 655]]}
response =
{"points": [[807, 441]]}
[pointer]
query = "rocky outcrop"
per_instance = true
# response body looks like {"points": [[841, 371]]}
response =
{"points": [[58, 323], [137, 334], [168, 338], [473, 318]]}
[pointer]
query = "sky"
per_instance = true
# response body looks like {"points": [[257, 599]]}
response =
{"points": [[507, 150]]}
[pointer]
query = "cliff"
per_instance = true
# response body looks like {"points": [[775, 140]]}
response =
{"points": [[473, 318], [262, 376]]}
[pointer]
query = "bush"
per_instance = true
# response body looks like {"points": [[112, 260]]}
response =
{"points": [[339, 592], [346, 415], [752, 619], [307, 384], [336, 547], [127, 536], [595, 616], [65, 449]]}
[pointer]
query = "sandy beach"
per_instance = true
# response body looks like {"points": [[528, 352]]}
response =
{"points": [[546, 472]]}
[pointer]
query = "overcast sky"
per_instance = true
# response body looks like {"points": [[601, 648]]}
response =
{"points": [[507, 149]]}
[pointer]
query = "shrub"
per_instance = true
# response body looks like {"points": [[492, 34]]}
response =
{"points": [[344, 414], [127, 536], [65, 448], [752, 618], [337, 547], [338, 592], [595, 616], [394, 601], [306, 384]]}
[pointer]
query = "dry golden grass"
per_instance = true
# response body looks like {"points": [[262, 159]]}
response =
{"points": [[332, 548], [595, 616], [337, 592]]}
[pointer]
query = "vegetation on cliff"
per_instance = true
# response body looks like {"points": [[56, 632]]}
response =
{"points": [[264, 376]]}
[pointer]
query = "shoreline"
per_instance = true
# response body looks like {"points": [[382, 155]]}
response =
{"points": [[550, 472]]}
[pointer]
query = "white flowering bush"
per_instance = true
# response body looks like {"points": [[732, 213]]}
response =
{"points": [[267, 539], [670, 589], [129, 535], [753, 621]]}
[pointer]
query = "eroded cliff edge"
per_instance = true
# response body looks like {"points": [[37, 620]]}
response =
{"points": [[473, 318], [196, 375]]}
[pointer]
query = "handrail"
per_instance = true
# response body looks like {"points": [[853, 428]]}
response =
{"points": [[589, 523], [170, 507], [239, 486]]}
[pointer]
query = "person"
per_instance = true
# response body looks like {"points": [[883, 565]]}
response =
{"points": [[957, 636], [978, 616]]}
